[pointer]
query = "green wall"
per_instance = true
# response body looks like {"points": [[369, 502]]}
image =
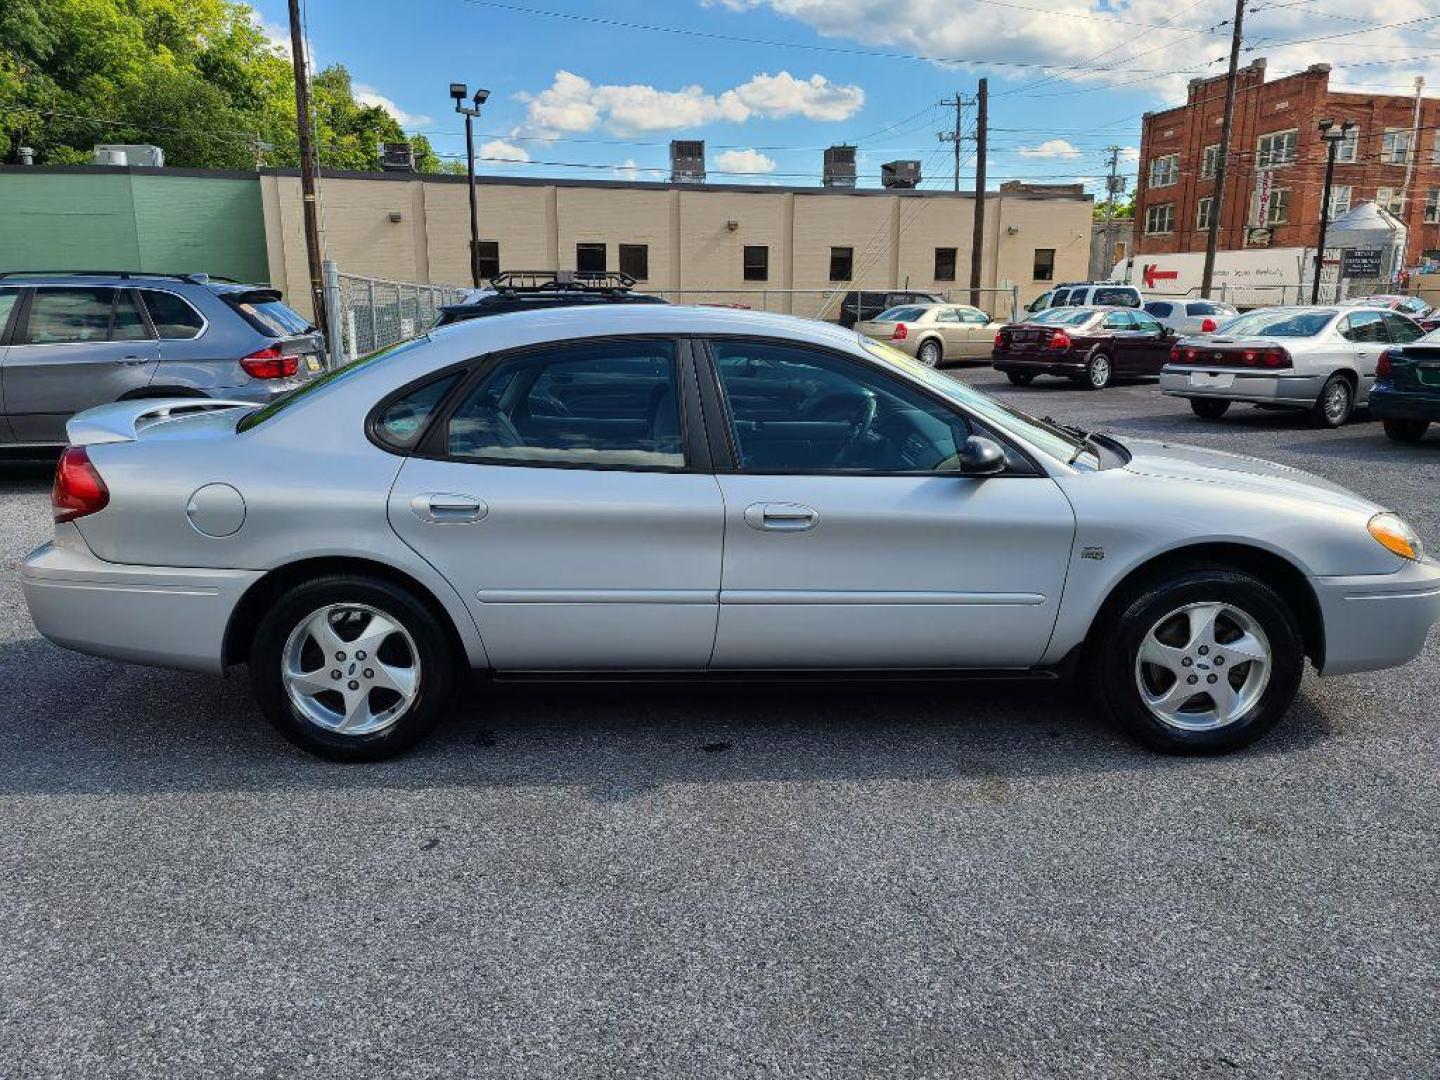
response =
{"points": [[117, 219]]}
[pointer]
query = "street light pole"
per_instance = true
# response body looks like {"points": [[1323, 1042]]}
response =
{"points": [[1333, 137], [459, 91]]}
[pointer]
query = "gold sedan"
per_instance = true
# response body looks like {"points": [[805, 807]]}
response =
{"points": [[934, 333]]}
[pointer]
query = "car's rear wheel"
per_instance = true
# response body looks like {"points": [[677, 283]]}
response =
{"points": [[1409, 431], [930, 353], [1209, 408], [1203, 661], [351, 668], [1098, 371], [1335, 403], [1020, 378]]}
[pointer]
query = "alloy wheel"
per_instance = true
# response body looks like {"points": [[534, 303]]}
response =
{"points": [[1203, 666], [930, 354], [351, 669], [1099, 371], [1337, 402]]}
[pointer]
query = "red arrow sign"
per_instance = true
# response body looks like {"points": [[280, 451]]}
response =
{"points": [[1149, 274]]}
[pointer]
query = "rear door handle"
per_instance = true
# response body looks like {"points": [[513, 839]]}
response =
{"points": [[436, 508], [781, 517], [134, 361]]}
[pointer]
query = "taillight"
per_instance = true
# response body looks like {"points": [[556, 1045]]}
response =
{"points": [[901, 332], [1208, 326], [1275, 357], [268, 363], [1383, 368], [78, 488], [1174, 354], [999, 339], [1059, 339]]}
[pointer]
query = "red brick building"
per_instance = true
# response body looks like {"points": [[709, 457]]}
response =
{"points": [[1275, 128]]}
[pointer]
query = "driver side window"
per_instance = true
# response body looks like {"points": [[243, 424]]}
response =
{"points": [[794, 409]]}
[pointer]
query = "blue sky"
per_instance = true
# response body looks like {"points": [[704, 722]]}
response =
{"points": [[585, 95]]}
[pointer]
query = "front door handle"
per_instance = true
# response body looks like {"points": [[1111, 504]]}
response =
{"points": [[436, 508], [134, 361], [781, 517]]}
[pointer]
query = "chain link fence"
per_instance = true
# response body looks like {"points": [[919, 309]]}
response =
{"points": [[825, 304], [376, 312]]}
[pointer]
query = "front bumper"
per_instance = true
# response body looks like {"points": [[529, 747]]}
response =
{"points": [[1262, 388], [167, 616], [1387, 403], [1375, 621]]}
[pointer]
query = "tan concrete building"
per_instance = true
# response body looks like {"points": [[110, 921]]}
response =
{"points": [[785, 249]]}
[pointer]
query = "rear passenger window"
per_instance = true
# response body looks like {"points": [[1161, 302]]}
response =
{"points": [[173, 317], [1402, 330], [8, 300], [1118, 320], [128, 324], [599, 405], [1365, 326], [73, 316]]}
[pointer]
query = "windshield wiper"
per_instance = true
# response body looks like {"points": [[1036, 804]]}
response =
{"points": [[1087, 439]]}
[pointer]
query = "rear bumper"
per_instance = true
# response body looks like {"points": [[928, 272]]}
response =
{"points": [[1377, 621], [1388, 403], [166, 616], [1065, 364], [1262, 388]]}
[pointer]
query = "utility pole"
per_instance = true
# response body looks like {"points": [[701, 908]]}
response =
{"points": [[1217, 203], [956, 135], [1113, 187], [1333, 137], [459, 92], [982, 98], [307, 166]]}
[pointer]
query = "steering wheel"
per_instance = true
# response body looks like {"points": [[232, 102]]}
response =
{"points": [[549, 404], [861, 427]]}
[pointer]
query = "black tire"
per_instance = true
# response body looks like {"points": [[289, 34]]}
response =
{"points": [[1335, 403], [1099, 371], [1406, 431], [436, 659], [931, 353], [1020, 378], [1209, 408], [1111, 658]]}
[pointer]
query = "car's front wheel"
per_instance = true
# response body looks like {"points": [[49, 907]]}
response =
{"points": [[1209, 408], [1202, 661], [351, 668], [1408, 431]]}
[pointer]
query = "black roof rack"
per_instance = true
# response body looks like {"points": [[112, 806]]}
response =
{"points": [[520, 281], [193, 279]]}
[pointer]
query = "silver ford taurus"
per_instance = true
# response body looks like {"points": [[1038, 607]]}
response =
{"points": [[656, 490]]}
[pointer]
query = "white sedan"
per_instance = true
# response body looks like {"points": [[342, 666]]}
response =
{"points": [[654, 491], [1319, 359]]}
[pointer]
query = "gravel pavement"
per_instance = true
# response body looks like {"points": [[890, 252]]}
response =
{"points": [[884, 881]]}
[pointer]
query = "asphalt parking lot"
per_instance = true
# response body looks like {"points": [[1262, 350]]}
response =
{"points": [[897, 881]]}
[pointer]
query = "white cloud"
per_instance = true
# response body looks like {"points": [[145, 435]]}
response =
{"points": [[1130, 153], [1134, 43], [627, 171], [573, 104], [277, 36], [744, 161], [503, 150], [368, 95], [1050, 148]]}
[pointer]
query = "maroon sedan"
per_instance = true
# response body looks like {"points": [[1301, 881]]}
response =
{"points": [[1091, 345]]}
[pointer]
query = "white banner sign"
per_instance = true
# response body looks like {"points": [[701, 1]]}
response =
{"points": [[1264, 185]]}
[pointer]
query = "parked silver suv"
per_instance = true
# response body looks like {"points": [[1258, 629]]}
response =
{"points": [[72, 340]]}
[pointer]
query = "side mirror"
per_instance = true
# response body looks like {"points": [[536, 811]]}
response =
{"points": [[980, 456]]}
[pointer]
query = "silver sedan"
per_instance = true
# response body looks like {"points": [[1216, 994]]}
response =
{"points": [[658, 491]]}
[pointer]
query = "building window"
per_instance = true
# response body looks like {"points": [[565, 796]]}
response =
{"points": [[1160, 219], [1349, 147], [1432, 207], [489, 258], [1044, 264], [1277, 148], [1164, 171], [944, 264], [1202, 213], [1391, 199], [1340, 196], [1279, 210], [757, 263], [1209, 162], [842, 263], [635, 261], [1395, 148], [590, 258], [1435, 154]]}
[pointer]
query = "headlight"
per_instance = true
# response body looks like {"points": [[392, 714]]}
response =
{"points": [[1395, 535]]}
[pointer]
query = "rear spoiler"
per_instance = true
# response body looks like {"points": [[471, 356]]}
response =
{"points": [[123, 421]]}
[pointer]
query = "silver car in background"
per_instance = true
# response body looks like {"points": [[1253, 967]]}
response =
{"points": [[1188, 317], [1320, 360], [660, 491]]}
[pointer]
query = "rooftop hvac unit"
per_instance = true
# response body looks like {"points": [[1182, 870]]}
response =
{"points": [[900, 174], [840, 166], [129, 154], [397, 157], [687, 161]]}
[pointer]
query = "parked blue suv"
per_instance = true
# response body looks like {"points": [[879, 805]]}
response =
{"points": [[73, 340]]}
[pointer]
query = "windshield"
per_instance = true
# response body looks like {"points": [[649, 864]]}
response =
{"points": [[280, 404], [1062, 316], [1294, 323], [900, 314], [1047, 437]]}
